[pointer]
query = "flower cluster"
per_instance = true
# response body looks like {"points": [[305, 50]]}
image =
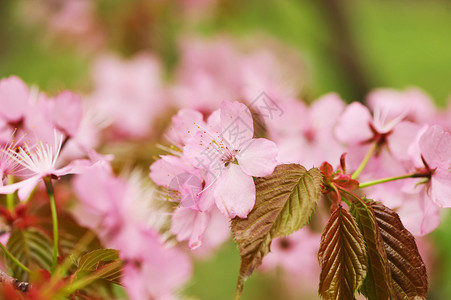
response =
{"points": [[211, 157], [394, 150]]}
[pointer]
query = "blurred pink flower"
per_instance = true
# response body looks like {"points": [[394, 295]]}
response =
{"points": [[296, 254], [114, 208], [202, 83], [413, 103], [211, 71], [66, 112], [162, 271], [14, 96], [129, 94], [305, 134]]}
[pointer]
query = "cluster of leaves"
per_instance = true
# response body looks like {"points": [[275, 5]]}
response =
{"points": [[364, 248], [81, 261]]}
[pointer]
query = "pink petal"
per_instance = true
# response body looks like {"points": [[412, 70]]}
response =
{"points": [[164, 170], [440, 188], [415, 103], [401, 139], [235, 192], [27, 186], [258, 157], [67, 112], [353, 127], [237, 126], [204, 151], [329, 105], [435, 146], [419, 214], [189, 224], [74, 167], [291, 122], [14, 96], [98, 190], [184, 126]]}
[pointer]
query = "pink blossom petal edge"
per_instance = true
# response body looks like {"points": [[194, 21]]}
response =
{"points": [[235, 192], [258, 157]]}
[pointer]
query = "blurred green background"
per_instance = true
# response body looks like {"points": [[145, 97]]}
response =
{"points": [[349, 47]]}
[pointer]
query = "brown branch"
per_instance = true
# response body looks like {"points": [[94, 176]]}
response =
{"points": [[344, 49], [19, 285]]}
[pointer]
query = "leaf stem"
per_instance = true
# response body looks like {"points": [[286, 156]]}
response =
{"points": [[365, 161], [10, 197], [239, 289], [51, 193], [383, 180], [15, 260]]}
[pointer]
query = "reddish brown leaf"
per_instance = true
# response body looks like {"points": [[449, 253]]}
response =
{"points": [[342, 257]]}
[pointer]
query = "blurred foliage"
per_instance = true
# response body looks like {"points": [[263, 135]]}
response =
{"points": [[399, 43]]}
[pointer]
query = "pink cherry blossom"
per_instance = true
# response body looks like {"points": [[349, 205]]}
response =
{"points": [[37, 163], [228, 151]]}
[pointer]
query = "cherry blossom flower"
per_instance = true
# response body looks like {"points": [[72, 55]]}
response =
{"points": [[236, 158], [37, 163]]}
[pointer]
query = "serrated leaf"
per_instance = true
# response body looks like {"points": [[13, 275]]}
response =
{"points": [[377, 284], [32, 248], [342, 257], [408, 271], [104, 262], [91, 260], [285, 200]]}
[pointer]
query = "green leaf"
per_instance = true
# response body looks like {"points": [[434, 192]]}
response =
{"points": [[408, 271], [285, 201], [32, 248], [103, 262], [91, 260], [377, 284], [342, 257]]}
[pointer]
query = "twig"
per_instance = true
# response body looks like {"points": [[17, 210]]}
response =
{"points": [[19, 285]]}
